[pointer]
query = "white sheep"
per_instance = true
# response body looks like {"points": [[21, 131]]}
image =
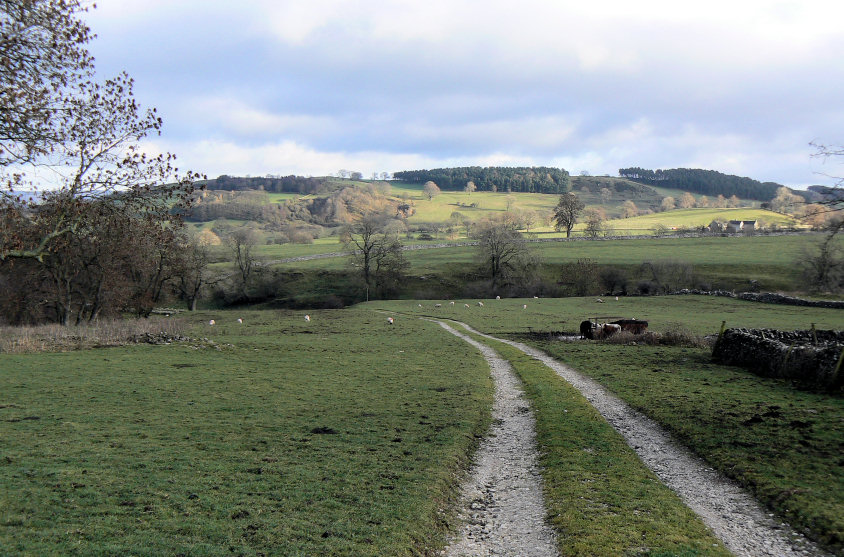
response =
{"points": [[452, 303], [480, 304], [307, 318], [524, 306], [465, 305], [438, 305], [420, 305], [212, 322], [239, 320], [390, 320], [498, 297]]}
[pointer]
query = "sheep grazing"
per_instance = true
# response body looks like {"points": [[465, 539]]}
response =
{"points": [[524, 306], [420, 305], [452, 303], [307, 318], [536, 297], [438, 305], [600, 301], [212, 322], [239, 320], [480, 304], [616, 298], [498, 297], [465, 305], [390, 320]]}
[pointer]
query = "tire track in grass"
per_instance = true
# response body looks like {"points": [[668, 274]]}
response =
{"points": [[502, 506], [734, 516]]}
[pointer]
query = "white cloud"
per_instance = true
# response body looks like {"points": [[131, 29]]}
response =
{"points": [[377, 85], [237, 117]]}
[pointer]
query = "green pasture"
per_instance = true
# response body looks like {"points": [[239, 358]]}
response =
{"points": [[780, 443], [691, 218], [440, 208], [338, 436], [720, 262], [342, 435], [700, 315]]}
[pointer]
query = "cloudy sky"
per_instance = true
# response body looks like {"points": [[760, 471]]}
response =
{"points": [[314, 86]]}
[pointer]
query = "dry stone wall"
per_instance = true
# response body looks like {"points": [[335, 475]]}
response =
{"points": [[810, 358]]}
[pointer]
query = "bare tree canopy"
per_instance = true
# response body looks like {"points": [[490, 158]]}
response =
{"points": [[376, 252], [503, 252], [566, 212], [72, 138], [43, 61], [430, 190]]}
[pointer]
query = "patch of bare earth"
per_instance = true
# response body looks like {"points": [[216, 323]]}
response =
{"points": [[733, 514], [502, 506]]}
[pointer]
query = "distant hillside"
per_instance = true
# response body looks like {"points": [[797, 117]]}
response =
{"points": [[534, 179], [705, 182]]}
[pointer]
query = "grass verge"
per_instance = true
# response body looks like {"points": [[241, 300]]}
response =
{"points": [[104, 332], [601, 499]]}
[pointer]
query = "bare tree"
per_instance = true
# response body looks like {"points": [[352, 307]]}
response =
{"points": [[668, 203], [629, 209], [566, 212], [43, 61], [687, 201], [375, 250], [594, 222], [430, 190], [503, 252], [241, 241], [85, 135], [823, 266], [470, 187], [191, 269]]}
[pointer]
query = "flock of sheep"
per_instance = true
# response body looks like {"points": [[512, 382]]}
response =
{"points": [[391, 320]]}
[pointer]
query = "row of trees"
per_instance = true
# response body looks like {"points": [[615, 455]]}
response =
{"points": [[707, 182], [495, 178], [276, 184], [84, 212]]}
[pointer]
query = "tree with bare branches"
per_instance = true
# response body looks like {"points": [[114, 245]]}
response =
{"points": [[376, 252], [566, 212]]}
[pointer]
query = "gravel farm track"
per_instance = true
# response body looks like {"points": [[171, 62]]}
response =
{"points": [[502, 509]]}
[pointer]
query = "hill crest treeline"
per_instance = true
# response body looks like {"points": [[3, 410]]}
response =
{"points": [[705, 182], [534, 179], [274, 184]]}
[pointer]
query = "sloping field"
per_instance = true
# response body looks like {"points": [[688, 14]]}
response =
{"points": [[691, 218]]}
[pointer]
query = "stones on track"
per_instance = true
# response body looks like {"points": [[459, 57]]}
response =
{"points": [[502, 506]]}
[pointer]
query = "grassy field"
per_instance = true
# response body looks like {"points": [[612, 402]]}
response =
{"points": [[342, 435], [337, 436], [691, 218], [719, 262], [782, 444]]}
